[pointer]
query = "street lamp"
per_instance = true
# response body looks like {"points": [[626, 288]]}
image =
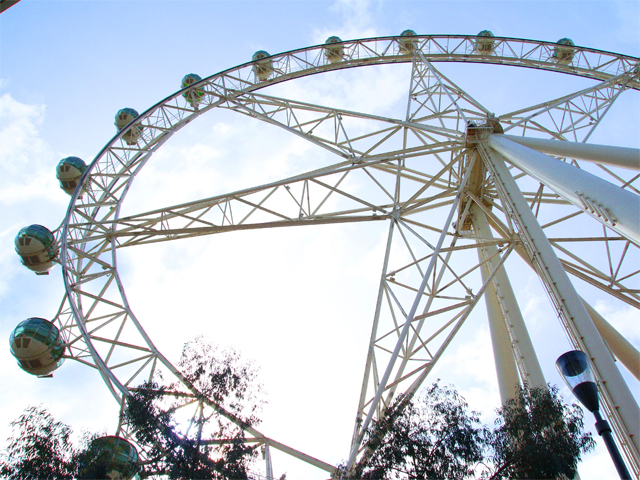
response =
{"points": [[576, 372]]}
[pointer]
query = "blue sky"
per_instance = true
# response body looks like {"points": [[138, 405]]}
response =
{"points": [[66, 67]]}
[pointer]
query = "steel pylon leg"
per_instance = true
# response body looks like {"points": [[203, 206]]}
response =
{"points": [[617, 400], [509, 333]]}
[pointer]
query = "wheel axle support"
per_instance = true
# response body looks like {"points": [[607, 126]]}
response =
{"points": [[622, 157], [613, 206], [506, 322], [619, 403]]}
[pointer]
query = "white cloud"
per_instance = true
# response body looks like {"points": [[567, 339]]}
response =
{"points": [[29, 191], [24, 156], [357, 21], [19, 134]]}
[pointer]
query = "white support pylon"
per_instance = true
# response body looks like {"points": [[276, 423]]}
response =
{"points": [[621, 348], [617, 399], [506, 370], [614, 207], [509, 333], [623, 157], [267, 458], [626, 353]]}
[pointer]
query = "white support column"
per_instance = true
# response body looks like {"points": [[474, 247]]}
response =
{"points": [[267, 458], [619, 403], [626, 353], [508, 331], [506, 370], [611, 205], [622, 157], [622, 349]]}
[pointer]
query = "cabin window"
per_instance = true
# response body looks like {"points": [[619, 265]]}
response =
{"points": [[32, 260]]}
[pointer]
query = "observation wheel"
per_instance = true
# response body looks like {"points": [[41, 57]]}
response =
{"points": [[461, 188]]}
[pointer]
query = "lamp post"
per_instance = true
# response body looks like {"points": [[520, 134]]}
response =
{"points": [[576, 372]]}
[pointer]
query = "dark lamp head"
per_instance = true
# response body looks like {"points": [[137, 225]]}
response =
{"points": [[576, 372]]}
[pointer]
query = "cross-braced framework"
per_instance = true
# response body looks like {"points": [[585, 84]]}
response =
{"points": [[461, 189]]}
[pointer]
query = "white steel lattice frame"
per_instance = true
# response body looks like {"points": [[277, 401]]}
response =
{"points": [[419, 312]]}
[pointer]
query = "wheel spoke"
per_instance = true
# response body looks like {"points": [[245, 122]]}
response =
{"points": [[434, 97], [299, 200], [349, 134], [572, 117], [424, 296]]}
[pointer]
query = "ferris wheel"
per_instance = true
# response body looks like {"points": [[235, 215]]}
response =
{"points": [[460, 187]]}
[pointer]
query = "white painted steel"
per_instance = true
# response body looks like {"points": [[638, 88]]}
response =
{"points": [[93, 229], [623, 350], [267, 458], [507, 322], [503, 355], [613, 206], [575, 116], [410, 317], [623, 157], [624, 409]]}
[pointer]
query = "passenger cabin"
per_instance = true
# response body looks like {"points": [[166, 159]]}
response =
{"points": [[334, 49], [110, 457], [69, 171], [564, 52], [37, 248], [407, 43], [485, 42], [193, 95], [37, 345], [262, 67], [123, 118]]}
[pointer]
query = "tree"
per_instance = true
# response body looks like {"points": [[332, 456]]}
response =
{"points": [[40, 447], [431, 436], [537, 436], [216, 448], [224, 378]]}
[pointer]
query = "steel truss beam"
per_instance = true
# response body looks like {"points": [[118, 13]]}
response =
{"points": [[572, 117]]}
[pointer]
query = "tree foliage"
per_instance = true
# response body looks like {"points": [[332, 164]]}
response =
{"points": [[224, 378], [537, 436], [434, 435], [177, 455], [221, 378], [40, 447], [431, 436]]}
